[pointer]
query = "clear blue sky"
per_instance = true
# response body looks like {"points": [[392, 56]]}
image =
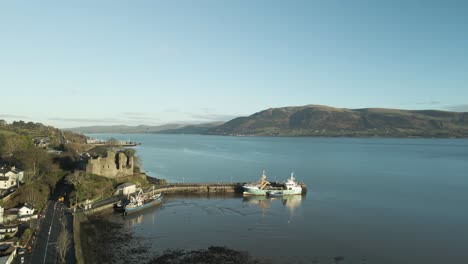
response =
{"points": [[74, 63]]}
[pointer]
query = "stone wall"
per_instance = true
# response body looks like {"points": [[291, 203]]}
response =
{"points": [[115, 165]]}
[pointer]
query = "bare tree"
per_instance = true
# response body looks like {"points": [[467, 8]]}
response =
{"points": [[63, 244], [77, 179]]}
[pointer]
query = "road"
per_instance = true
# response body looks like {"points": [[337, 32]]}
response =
{"points": [[45, 246]]}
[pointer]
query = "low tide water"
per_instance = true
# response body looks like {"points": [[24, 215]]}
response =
{"points": [[368, 200]]}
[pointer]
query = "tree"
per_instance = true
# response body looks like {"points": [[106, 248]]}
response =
{"points": [[113, 142], [13, 144], [63, 243], [77, 179], [35, 160], [2, 144], [25, 237], [137, 164]]}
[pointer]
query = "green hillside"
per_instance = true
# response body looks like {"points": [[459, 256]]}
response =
{"points": [[44, 153], [316, 120]]}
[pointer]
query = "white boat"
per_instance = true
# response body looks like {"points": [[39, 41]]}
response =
{"points": [[142, 201], [290, 187]]}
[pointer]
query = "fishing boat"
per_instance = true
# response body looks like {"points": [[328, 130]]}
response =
{"points": [[258, 188], [290, 187], [141, 201]]}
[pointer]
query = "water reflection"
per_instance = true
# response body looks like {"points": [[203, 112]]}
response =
{"points": [[262, 201], [135, 219], [291, 202]]}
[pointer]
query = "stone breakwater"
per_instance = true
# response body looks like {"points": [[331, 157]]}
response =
{"points": [[201, 188], [206, 188]]}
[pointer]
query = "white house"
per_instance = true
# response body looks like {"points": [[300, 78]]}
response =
{"points": [[10, 177], [4, 230], [25, 210], [94, 141], [126, 188]]}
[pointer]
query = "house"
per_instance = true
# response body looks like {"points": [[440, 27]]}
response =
{"points": [[41, 142], [94, 141], [25, 210], [10, 177], [9, 230], [126, 188]]}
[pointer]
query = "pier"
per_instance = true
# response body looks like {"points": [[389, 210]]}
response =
{"points": [[206, 188], [199, 188], [175, 188]]}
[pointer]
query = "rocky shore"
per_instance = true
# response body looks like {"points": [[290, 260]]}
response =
{"points": [[109, 241], [212, 255], [105, 241]]}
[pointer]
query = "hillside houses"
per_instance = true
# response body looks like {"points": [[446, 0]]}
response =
{"points": [[10, 177], [23, 213]]}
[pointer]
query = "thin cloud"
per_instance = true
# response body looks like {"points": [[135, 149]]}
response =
{"points": [[134, 114], [12, 116], [172, 110], [458, 108], [207, 109], [433, 102], [142, 118], [87, 120], [212, 117]]}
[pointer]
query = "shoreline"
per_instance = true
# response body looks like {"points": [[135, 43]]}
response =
{"points": [[106, 238]]}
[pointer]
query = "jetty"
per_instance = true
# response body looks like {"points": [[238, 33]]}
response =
{"points": [[200, 188], [226, 187], [175, 188]]}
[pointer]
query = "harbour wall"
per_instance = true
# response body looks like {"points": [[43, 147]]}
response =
{"points": [[200, 188], [177, 188], [206, 188]]}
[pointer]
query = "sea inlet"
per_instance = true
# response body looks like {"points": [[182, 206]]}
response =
{"points": [[368, 200]]}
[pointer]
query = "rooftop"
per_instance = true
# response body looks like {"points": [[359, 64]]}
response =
{"points": [[123, 185]]}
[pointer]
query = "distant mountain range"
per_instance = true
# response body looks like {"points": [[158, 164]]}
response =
{"points": [[162, 129], [317, 120]]}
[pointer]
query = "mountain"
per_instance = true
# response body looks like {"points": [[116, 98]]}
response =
{"points": [[191, 129], [317, 120], [122, 129]]}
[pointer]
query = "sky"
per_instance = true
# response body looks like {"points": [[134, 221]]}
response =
{"points": [[80, 63]]}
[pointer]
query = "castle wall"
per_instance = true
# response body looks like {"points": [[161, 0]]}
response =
{"points": [[113, 166]]}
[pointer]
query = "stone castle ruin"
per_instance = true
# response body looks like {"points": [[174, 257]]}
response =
{"points": [[114, 165]]}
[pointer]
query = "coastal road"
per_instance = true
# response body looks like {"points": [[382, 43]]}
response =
{"points": [[45, 247]]}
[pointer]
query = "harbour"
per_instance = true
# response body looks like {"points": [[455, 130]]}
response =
{"points": [[363, 195]]}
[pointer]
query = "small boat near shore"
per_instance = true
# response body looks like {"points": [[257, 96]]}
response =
{"points": [[141, 201], [290, 187]]}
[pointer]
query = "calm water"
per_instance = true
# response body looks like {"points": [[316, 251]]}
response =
{"points": [[369, 200]]}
